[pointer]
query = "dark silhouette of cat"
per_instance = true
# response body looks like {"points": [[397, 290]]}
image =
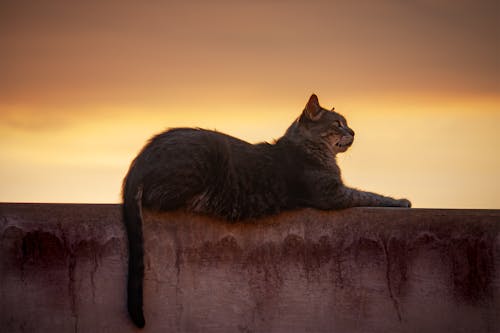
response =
{"points": [[215, 174]]}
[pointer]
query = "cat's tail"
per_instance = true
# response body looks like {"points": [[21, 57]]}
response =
{"points": [[132, 215]]}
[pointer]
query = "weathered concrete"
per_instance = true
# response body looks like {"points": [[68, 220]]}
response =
{"points": [[62, 269]]}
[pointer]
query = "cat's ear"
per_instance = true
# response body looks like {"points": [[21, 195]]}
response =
{"points": [[313, 111]]}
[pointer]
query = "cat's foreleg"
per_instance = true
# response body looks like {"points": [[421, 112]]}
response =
{"points": [[348, 197]]}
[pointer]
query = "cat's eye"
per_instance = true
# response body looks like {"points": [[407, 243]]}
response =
{"points": [[338, 123]]}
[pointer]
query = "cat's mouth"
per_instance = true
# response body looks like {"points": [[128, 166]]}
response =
{"points": [[343, 145]]}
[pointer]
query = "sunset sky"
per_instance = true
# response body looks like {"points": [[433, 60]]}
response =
{"points": [[84, 84]]}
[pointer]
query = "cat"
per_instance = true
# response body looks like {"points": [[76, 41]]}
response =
{"points": [[215, 174]]}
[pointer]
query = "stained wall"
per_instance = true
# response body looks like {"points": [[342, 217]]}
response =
{"points": [[63, 269]]}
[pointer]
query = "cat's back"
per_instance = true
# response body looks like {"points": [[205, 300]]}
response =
{"points": [[196, 137], [179, 148]]}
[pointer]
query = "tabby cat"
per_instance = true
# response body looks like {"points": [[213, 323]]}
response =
{"points": [[211, 173]]}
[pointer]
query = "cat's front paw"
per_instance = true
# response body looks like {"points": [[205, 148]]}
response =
{"points": [[404, 203]]}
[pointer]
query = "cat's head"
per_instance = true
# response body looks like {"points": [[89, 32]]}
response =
{"points": [[323, 127]]}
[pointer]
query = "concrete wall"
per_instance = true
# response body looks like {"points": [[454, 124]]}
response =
{"points": [[62, 269]]}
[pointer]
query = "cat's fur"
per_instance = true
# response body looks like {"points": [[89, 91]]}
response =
{"points": [[215, 174]]}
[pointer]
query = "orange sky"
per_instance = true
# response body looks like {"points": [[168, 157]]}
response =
{"points": [[83, 85]]}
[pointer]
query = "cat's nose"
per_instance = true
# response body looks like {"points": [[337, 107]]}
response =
{"points": [[350, 131]]}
